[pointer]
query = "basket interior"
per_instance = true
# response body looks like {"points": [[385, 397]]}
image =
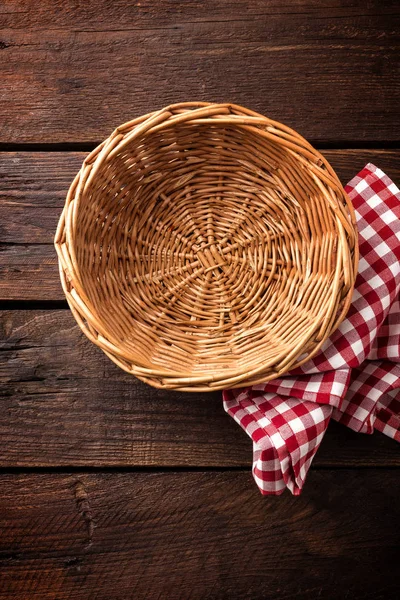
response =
{"points": [[207, 248]]}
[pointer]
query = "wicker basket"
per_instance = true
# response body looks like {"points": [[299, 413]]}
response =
{"points": [[204, 246]]}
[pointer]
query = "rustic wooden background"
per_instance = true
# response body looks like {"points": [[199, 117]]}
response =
{"points": [[110, 490]]}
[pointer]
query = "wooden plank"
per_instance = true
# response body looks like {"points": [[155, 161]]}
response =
{"points": [[29, 272], [74, 71], [32, 194], [198, 536], [348, 163], [34, 186], [63, 402]]}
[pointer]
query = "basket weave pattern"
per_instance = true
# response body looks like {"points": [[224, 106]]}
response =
{"points": [[204, 246]]}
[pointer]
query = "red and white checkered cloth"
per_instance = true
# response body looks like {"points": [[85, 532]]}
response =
{"points": [[355, 379]]}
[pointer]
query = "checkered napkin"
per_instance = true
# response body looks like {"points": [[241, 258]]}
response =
{"points": [[355, 379]]}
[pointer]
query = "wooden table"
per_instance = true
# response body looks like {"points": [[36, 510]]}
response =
{"points": [[110, 490]]}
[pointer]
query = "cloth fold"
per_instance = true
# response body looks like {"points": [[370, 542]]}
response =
{"points": [[355, 378]]}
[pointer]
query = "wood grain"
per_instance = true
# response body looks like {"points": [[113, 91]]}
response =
{"points": [[63, 402], [177, 536], [32, 194], [72, 72]]}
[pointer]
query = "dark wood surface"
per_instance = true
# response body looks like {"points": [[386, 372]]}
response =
{"points": [[110, 490], [198, 535], [73, 71]]}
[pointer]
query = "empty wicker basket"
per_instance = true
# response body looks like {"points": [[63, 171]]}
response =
{"points": [[204, 246]]}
